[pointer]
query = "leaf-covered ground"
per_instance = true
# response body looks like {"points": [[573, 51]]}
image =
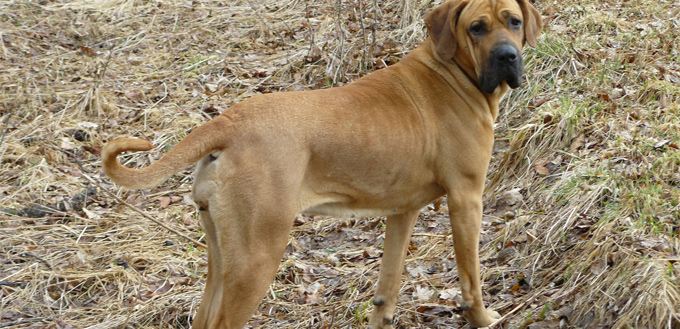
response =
{"points": [[581, 209]]}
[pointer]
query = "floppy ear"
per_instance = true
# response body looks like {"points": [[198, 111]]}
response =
{"points": [[441, 24], [533, 23]]}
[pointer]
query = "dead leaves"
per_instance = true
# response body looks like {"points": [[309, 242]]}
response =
{"points": [[626, 86], [307, 294], [666, 144], [537, 102], [134, 94], [165, 201], [540, 167], [508, 199], [577, 143], [439, 308], [332, 257], [88, 51], [544, 167], [157, 287], [60, 207]]}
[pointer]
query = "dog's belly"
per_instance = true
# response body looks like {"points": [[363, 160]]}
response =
{"points": [[371, 205], [343, 210]]}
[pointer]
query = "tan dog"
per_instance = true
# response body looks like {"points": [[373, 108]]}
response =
{"points": [[385, 145]]}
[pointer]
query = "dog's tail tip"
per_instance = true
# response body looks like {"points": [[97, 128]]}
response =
{"points": [[131, 178], [128, 144], [118, 146]]}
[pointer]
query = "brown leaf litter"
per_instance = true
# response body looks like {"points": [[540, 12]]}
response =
{"points": [[581, 222]]}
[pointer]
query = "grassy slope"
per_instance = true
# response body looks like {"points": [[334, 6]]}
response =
{"points": [[598, 163], [590, 141]]}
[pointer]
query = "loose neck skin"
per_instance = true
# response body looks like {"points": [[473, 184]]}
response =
{"points": [[462, 73]]}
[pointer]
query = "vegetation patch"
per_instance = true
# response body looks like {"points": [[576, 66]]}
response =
{"points": [[581, 217]]}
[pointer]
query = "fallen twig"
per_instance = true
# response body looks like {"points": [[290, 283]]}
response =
{"points": [[113, 195]]}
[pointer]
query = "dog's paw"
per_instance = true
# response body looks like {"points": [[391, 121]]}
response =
{"points": [[483, 318], [387, 323]]}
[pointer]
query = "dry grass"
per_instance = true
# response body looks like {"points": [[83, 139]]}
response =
{"points": [[590, 143]]}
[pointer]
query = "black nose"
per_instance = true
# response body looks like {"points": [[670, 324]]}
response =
{"points": [[506, 54]]}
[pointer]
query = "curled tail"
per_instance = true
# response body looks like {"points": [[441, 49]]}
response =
{"points": [[199, 143]]}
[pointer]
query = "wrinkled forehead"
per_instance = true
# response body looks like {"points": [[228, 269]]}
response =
{"points": [[490, 10]]}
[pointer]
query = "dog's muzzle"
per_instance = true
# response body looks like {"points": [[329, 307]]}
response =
{"points": [[504, 64]]}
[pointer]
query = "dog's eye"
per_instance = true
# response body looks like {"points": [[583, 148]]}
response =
{"points": [[515, 23], [478, 29]]}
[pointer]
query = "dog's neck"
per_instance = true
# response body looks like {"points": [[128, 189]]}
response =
{"points": [[460, 75]]}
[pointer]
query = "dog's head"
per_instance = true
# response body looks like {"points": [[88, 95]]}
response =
{"points": [[485, 36]]}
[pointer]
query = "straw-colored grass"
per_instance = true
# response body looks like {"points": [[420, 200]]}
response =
{"points": [[582, 216]]}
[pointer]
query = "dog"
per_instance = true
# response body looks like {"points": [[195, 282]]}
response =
{"points": [[386, 144]]}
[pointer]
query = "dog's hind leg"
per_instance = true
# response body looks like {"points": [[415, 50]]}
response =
{"points": [[397, 237], [206, 310], [247, 213], [244, 254]]}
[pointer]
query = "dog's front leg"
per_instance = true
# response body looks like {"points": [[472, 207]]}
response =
{"points": [[397, 237], [465, 209]]}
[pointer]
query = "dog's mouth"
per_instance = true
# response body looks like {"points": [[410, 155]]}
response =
{"points": [[489, 82], [504, 65]]}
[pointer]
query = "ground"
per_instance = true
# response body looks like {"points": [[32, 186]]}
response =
{"points": [[581, 208]]}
